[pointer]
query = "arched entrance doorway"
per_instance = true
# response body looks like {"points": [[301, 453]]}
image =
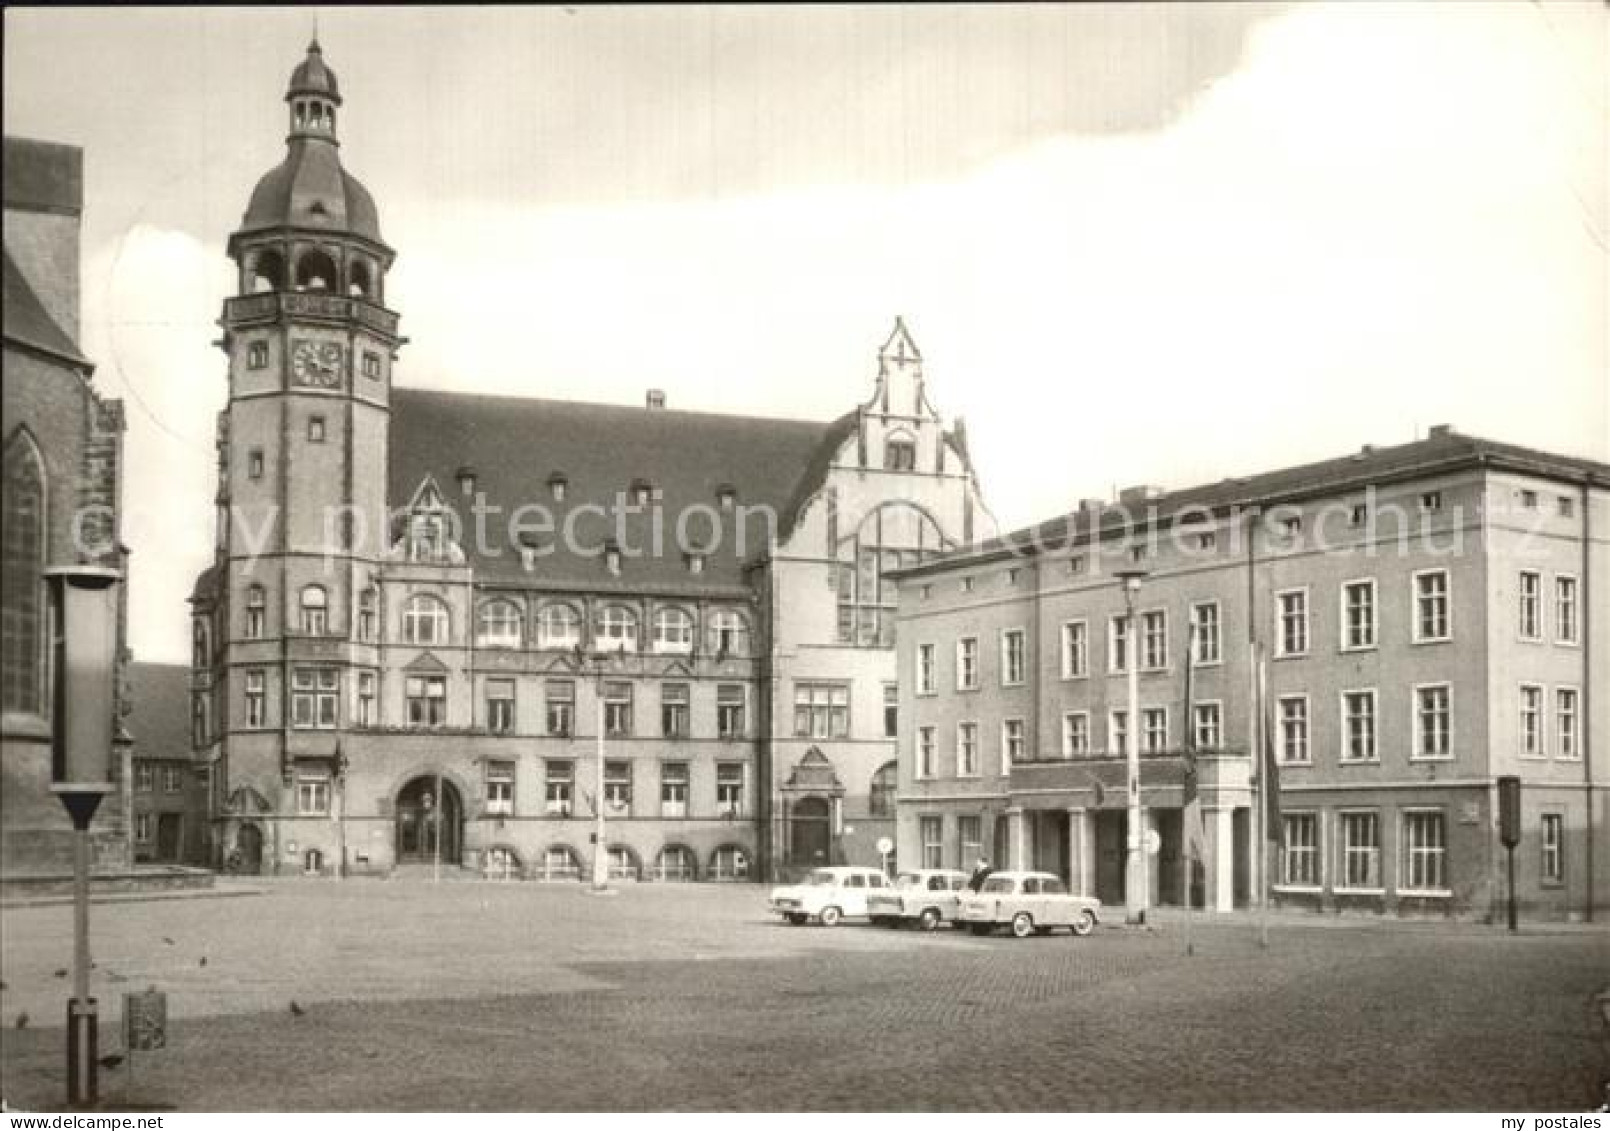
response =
{"points": [[811, 836], [424, 820]]}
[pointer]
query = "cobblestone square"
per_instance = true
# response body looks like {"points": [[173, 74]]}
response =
{"points": [[485, 996]]}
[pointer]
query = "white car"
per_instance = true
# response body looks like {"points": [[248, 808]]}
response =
{"points": [[927, 896], [827, 895], [1027, 902]]}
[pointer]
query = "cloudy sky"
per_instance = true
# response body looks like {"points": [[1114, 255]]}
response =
{"points": [[1139, 244]]}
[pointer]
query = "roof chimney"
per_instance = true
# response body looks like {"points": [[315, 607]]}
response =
{"points": [[1144, 493], [1438, 431], [655, 400]]}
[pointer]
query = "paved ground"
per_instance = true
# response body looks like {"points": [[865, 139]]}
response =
{"points": [[473, 996]]}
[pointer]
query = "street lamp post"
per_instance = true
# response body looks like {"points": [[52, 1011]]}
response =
{"points": [[1136, 879], [601, 667], [84, 619]]}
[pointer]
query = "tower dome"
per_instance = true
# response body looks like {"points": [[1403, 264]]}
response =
{"points": [[310, 189]]}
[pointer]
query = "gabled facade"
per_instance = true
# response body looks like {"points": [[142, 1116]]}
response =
{"points": [[424, 605]]}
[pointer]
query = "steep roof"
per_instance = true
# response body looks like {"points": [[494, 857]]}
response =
{"points": [[516, 445], [1443, 451], [43, 176], [160, 716], [28, 323], [310, 189]]}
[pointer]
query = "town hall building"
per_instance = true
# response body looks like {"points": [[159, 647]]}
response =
{"points": [[424, 604]]}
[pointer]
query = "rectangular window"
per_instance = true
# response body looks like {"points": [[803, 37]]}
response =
{"points": [[500, 788], [925, 752], [730, 788], [618, 709], [1359, 514], [967, 750], [1118, 644], [933, 842], [674, 710], [172, 779], [1299, 850], [1292, 630], [891, 710], [559, 786], [1529, 500], [1117, 732], [967, 663], [1358, 615], [254, 464], [500, 706], [1531, 713], [1425, 852], [1358, 726], [1433, 719], [371, 365], [1075, 734], [144, 777], [1012, 735], [559, 707], [1154, 729], [313, 698], [1431, 502], [821, 710], [426, 700], [1209, 725], [1553, 848], [1293, 711], [1530, 595], [1206, 633], [674, 789], [312, 795], [315, 429], [970, 833], [1361, 850], [617, 788], [925, 669], [1075, 649], [256, 698], [730, 710], [1565, 631], [1154, 640], [1565, 736], [366, 716], [257, 355], [1012, 657], [142, 827], [1431, 606]]}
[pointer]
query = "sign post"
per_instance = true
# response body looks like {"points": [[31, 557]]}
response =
{"points": [[885, 846], [1509, 829]]}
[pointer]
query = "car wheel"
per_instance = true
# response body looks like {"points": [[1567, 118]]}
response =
{"points": [[1085, 923], [830, 916], [929, 919], [1022, 925], [797, 919], [981, 928]]}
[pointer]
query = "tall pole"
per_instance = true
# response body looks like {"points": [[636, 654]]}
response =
{"points": [[600, 843], [436, 832], [1135, 886]]}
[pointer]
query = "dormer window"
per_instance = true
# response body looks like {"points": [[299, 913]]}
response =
{"points": [[466, 480], [642, 492], [695, 563], [427, 537], [612, 559], [726, 496], [557, 484], [900, 455]]}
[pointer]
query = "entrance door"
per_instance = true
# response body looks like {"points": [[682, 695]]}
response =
{"points": [[811, 832], [249, 846], [168, 829], [423, 821], [1111, 849]]}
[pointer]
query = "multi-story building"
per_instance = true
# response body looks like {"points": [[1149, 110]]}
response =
{"points": [[1432, 617], [424, 606], [170, 792], [63, 449]]}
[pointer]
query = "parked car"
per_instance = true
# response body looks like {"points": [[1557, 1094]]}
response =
{"points": [[1027, 902], [927, 897], [827, 895]]}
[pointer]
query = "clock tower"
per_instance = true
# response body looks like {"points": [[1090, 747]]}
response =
{"points": [[302, 449]]}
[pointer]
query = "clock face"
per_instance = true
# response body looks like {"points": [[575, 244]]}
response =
{"points": [[317, 364]]}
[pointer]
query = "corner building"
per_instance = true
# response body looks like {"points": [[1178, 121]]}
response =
{"points": [[1433, 617], [424, 603]]}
